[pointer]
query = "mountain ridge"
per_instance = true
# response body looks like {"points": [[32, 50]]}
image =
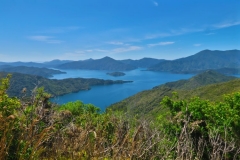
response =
{"points": [[227, 62], [52, 63], [142, 63], [105, 63], [203, 60]]}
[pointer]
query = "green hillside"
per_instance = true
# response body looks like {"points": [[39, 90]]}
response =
{"points": [[52, 86], [201, 79], [183, 128], [208, 85]]}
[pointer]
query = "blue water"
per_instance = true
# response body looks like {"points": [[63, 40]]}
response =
{"points": [[103, 96]]}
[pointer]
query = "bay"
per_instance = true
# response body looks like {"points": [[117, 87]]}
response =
{"points": [[103, 96]]}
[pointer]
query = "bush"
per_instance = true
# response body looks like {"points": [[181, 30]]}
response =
{"points": [[202, 126]]}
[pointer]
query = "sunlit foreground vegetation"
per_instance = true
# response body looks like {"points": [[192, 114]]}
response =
{"points": [[33, 128]]}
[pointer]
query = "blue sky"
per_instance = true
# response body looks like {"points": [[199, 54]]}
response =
{"points": [[43, 30]]}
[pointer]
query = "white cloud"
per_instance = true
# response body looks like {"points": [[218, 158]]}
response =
{"points": [[157, 35], [125, 49], [101, 50], [39, 38], [182, 31], [173, 33], [160, 44], [106, 51], [226, 24], [118, 43], [61, 29], [197, 44], [211, 33], [155, 3], [74, 54], [89, 50], [115, 43], [46, 39]]}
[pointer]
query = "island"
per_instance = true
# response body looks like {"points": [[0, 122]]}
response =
{"points": [[116, 74]]}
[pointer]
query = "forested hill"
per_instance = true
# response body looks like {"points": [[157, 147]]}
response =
{"points": [[201, 79], [208, 85], [52, 86], [105, 63], [203, 60], [44, 72]]}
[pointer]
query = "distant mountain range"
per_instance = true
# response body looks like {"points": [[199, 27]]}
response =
{"points": [[204, 60], [110, 64], [105, 63], [50, 64], [142, 63], [208, 85], [227, 62]]}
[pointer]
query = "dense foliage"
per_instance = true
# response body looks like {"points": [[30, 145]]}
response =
{"points": [[206, 130], [189, 129], [205, 85]]}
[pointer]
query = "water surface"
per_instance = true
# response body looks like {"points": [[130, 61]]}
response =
{"points": [[103, 96]]}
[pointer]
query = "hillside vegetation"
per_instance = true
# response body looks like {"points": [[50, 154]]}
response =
{"points": [[201, 79], [205, 85], [27, 83], [190, 129]]}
